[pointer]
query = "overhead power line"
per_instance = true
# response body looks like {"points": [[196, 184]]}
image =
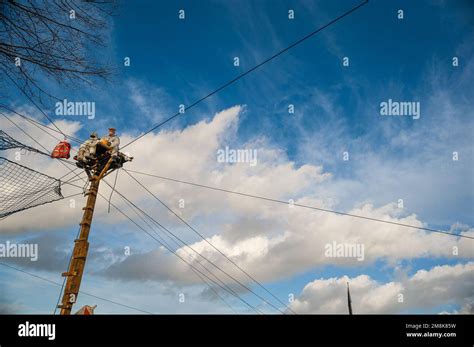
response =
{"points": [[302, 205], [71, 171], [196, 252], [68, 182], [217, 283], [82, 292], [152, 228], [34, 103], [251, 70], [167, 247], [65, 278], [62, 161], [40, 125], [209, 243]]}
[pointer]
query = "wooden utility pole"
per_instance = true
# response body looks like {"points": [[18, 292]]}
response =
{"points": [[81, 244], [79, 254]]}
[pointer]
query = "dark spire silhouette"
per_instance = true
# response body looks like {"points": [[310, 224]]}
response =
{"points": [[349, 301]]}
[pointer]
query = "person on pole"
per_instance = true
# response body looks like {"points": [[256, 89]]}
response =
{"points": [[87, 150], [111, 143]]}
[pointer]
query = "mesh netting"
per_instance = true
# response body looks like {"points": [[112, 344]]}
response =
{"points": [[22, 188], [8, 142]]}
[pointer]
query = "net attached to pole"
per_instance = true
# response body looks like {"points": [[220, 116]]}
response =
{"points": [[8, 142], [22, 188]]}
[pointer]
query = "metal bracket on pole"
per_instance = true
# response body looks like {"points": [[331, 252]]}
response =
{"points": [[104, 170]]}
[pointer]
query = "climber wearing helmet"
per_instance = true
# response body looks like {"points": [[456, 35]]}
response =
{"points": [[87, 150], [111, 143]]}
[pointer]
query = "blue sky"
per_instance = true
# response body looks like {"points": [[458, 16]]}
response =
{"points": [[336, 109]]}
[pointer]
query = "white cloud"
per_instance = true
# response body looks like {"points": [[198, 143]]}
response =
{"points": [[272, 241], [441, 285], [269, 240], [150, 101]]}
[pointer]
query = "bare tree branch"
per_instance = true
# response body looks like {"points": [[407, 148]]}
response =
{"points": [[55, 39]]}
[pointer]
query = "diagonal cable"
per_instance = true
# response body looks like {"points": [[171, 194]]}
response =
{"points": [[302, 205], [251, 70], [207, 241]]}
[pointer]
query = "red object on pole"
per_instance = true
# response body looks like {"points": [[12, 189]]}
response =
{"points": [[87, 310], [61, 150]]}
